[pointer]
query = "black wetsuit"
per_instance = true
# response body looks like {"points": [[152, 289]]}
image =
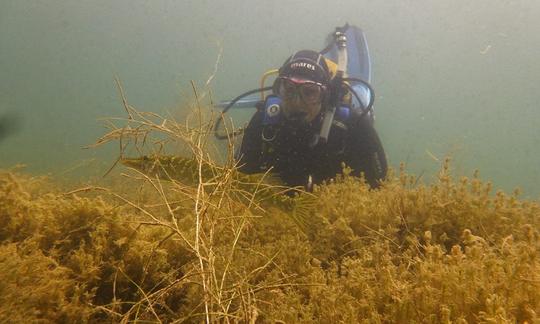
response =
{"points": [[353, 142]]}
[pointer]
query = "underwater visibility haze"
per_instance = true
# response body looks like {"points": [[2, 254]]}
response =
{"points": [[87, 87], [452, 78]]}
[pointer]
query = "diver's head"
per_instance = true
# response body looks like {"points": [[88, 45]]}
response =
{"points": [[302, 85]]}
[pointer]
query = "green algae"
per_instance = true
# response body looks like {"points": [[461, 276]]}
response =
{"points": [[209, 249], [259, 188], [445, 252]]}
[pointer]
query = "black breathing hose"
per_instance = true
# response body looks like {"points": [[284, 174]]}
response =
{"points": [[229, 106]]}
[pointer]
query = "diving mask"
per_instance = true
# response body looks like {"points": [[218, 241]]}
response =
{"points": [[309, 92], [301, 100]]}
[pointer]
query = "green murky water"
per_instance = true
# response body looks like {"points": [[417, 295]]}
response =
{"points": [[454, 78]]}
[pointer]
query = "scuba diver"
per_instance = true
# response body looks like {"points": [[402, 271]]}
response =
{"points": [[313, 123]]}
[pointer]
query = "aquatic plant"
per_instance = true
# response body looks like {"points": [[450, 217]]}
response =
{"points": [[66, 256], [250, 188], [443, 252], [221, 203], [153, 250], [390, 255]]}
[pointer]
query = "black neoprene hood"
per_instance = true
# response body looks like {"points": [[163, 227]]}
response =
{"points": [[306, 64]]}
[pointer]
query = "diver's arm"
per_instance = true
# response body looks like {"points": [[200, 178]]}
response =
{"points": [[366, 153], [249, 155]]}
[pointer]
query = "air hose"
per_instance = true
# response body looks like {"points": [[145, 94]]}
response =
{"points": [[229, 106]]}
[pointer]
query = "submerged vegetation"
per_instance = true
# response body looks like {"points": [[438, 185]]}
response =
{"points": [[249, 188], [151, 249]]}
